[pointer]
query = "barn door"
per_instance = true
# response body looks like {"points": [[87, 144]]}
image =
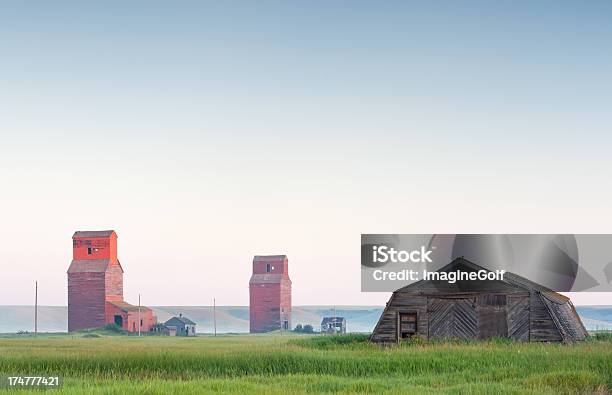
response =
{"points": [[518, 317], [492, 320], [452, 318]]}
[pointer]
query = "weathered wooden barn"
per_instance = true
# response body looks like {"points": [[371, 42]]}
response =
{"points": [[95, 286], [270, 294], [513, 308]]}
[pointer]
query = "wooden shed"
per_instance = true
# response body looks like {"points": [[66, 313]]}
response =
{"points": [[514, 308], [180, 326]]}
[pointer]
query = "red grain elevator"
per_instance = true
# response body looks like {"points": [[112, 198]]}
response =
{"points": [[270, 294], [95, 286]]}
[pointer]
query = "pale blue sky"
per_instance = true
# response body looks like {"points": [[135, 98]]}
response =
{"points": [[205, 133]]}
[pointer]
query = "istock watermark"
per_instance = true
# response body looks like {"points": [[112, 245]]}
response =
{"points": [[384, 254]]}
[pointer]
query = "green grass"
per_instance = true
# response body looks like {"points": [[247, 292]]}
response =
{"points": [[287, 364], [333, 342]]}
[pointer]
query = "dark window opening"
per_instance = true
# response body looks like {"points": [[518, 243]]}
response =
{"points": [[407, 325], [141, 323], [89, 250], [119, 320], [268, 268]]}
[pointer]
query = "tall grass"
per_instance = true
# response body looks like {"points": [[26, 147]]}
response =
{"points": [[600, 336], [317, 364], [324, 342]]}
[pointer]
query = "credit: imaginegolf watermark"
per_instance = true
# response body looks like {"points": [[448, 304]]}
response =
{"points": [[450, 277]]}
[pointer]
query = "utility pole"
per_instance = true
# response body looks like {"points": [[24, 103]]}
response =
{"points": [[36, 309], [215, 315], [139, 320]]}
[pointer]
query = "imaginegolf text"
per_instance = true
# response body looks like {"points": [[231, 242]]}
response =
{"points": [[450, 277]]}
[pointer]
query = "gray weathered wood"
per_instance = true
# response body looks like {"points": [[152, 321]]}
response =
{"points": [[516, 308]]}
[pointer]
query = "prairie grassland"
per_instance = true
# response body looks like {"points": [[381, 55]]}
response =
{"points": [[270, 364]]}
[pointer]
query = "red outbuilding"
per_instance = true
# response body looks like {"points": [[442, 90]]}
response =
{"points": [[270, 294], [95, 286]]}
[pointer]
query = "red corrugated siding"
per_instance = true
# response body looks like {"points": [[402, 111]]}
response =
{"points": [[269, 302], [85, 301], [285, 301], [101, 247], [112, 311], [147, 317], [114, 282], [130, 319]]}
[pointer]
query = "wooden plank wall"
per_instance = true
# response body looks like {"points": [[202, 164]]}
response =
{"points": [[492, 316], [563, 315], [386, 330], [86, 303], [542, 326], [113, 279], [517, 308], [525, 317], [452, 318]]}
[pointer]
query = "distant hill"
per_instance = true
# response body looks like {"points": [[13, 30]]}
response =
{"points": [[235, 319], [596, 317], [50, 318]]}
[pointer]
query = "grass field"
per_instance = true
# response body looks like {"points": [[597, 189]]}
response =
{"points": [[275, 364]]}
